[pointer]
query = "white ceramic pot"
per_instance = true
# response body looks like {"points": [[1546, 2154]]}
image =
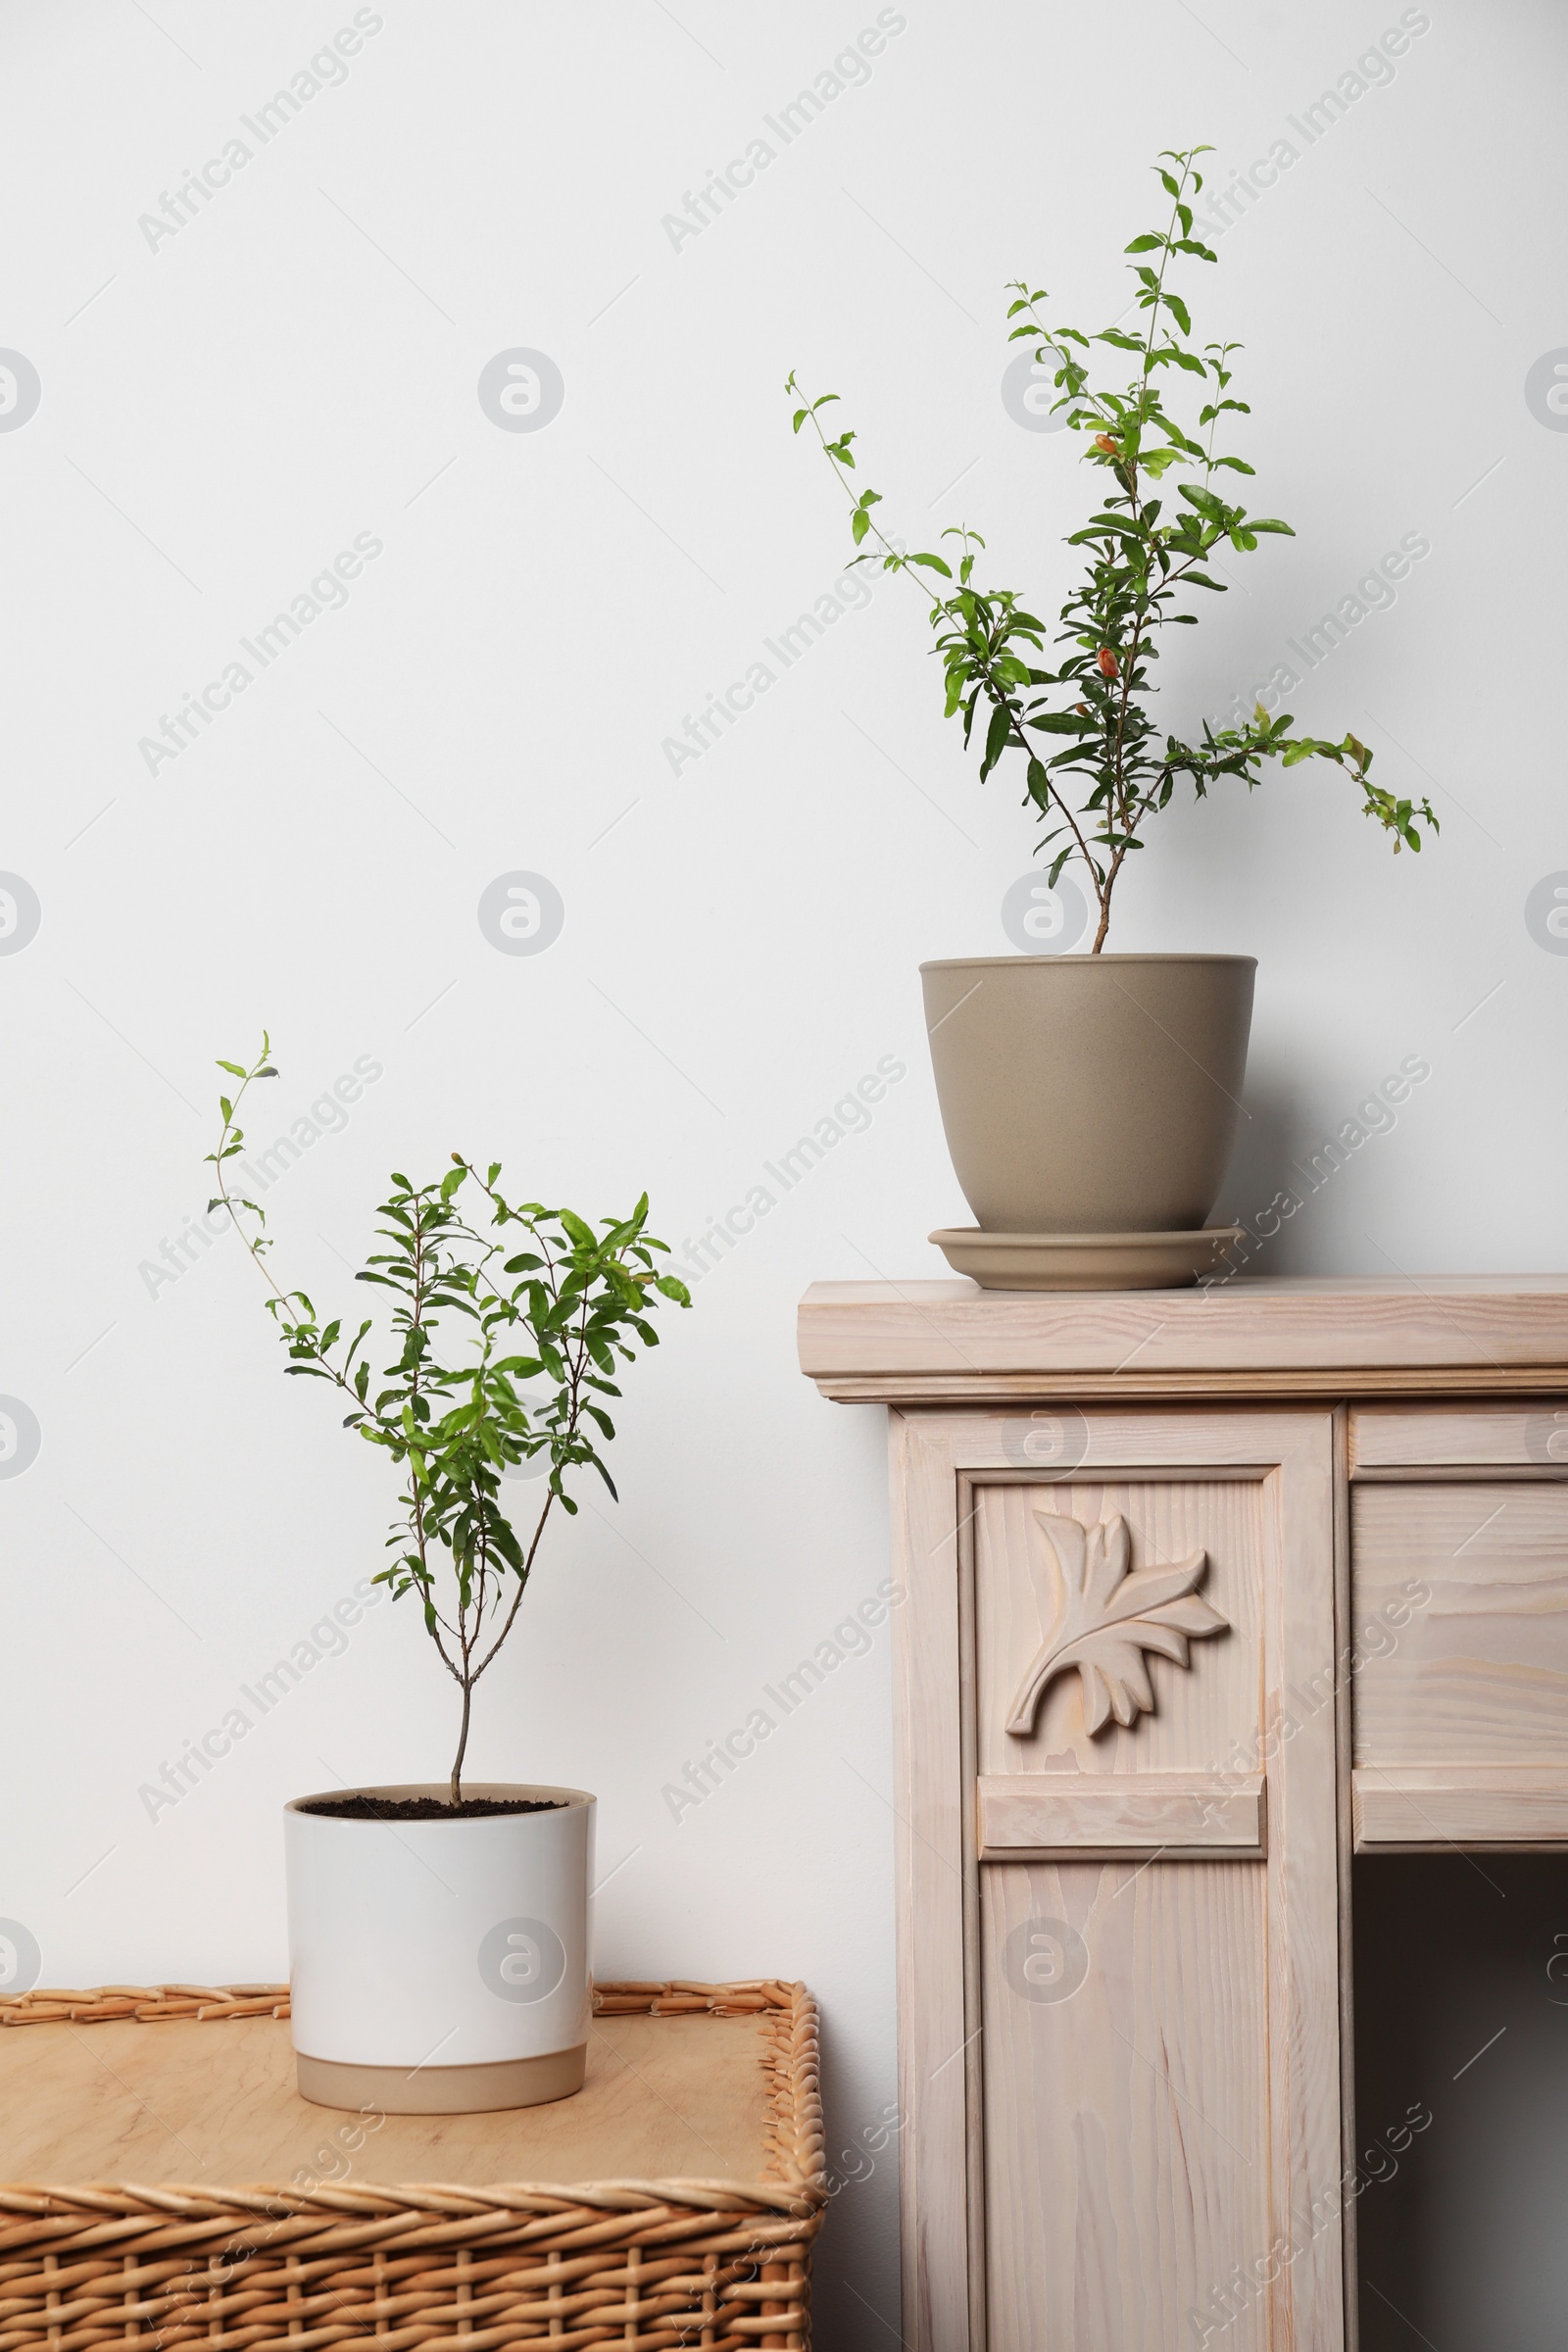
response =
{"points": [[440, 1966]]}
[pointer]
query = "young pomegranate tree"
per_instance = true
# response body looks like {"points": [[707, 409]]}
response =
{"points": [[535, 1297], [1095, 766]]}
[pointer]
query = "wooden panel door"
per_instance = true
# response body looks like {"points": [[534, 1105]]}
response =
{"points": [[1119, 1883]]}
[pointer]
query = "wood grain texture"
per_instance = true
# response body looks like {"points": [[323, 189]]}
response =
{"points": [[914, 1339], [1126, 2125], [1133, 1384], [1479, 1674], [1303, 1873], [665, 2098], [934, 1877], [1344, 1742], [1045, 1814], [1417, 1807], [1532, 1432]]}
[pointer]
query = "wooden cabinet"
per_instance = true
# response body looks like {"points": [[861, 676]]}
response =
{"points": [[1200, 1593]]}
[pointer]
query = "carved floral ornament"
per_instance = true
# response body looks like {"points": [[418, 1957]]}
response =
{"points": [[1111, 1614]]}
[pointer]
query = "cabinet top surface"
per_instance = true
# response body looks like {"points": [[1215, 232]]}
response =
{"points": [[1279, 1334]]}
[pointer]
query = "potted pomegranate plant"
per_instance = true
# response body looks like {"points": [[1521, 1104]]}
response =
{"points": [[438, 1931], [1089, 1102]]}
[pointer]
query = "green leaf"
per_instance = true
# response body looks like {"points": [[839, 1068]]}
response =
{"points": [[996, 735]]}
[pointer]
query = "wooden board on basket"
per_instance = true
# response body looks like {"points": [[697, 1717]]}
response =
{"points": [[665, 2098]]}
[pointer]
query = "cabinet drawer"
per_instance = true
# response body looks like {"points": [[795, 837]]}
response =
{"points": [[1390, 1437], [1460, 1666], [1475, 1804]]}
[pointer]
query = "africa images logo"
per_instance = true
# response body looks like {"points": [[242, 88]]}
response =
{"points": [[19, 914], [521, 390], [522, 1960], [1545, 390], [20, 1436], [20, 1959], [521, 914], [20, 390]]}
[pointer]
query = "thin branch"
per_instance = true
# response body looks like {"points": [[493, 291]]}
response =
{"points": [[997, 692]]}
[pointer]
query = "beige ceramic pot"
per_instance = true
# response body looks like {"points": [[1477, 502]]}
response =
{"points": [[1090, 1094]]}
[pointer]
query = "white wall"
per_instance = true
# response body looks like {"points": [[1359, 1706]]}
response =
{"points": [[224, 409]]}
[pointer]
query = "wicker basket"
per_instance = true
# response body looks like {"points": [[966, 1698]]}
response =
{"points": [[639, 2264]]}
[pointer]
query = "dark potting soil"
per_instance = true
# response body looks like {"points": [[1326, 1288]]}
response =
{"points": [[426, 1808]]}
